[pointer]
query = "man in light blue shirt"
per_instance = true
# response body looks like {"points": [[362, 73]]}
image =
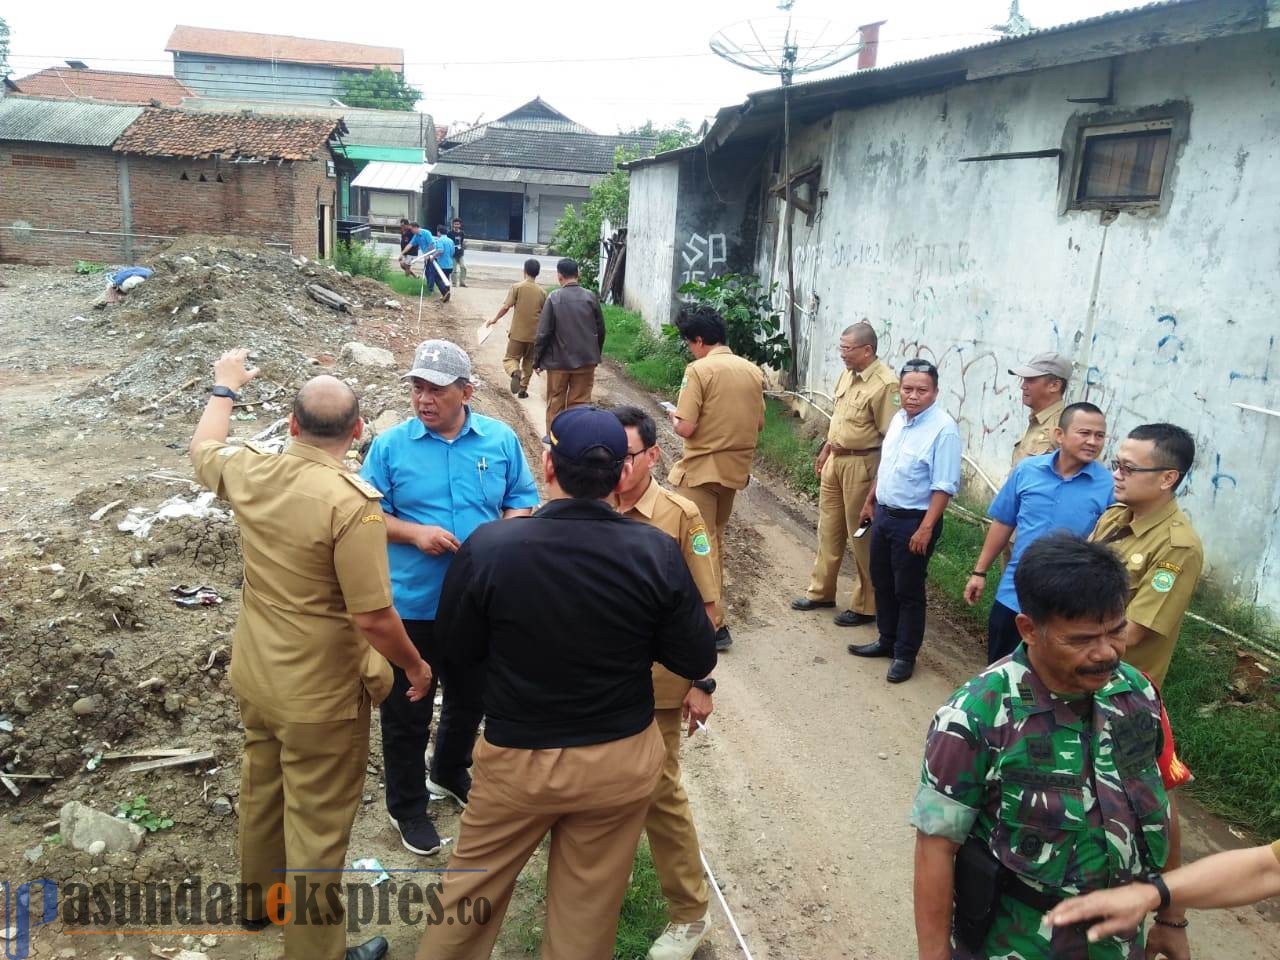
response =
{"points": [[443, 248], [919, 473], [441, 474], [1064, 490]]}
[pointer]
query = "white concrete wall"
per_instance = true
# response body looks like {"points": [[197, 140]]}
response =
{"points": [[973, 266], [651, 231]]}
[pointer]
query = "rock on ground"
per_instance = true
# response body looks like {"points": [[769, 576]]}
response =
{"points": [[368, 356], [81, 826]]}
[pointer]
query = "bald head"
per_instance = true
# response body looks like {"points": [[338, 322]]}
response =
{"points": [[326, 409], [862, 334]]}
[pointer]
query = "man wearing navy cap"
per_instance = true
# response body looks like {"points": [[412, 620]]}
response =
{"points": [[567, 610]]}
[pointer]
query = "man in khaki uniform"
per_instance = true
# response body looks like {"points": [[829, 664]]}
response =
{"points": [[1155, 540], [1044, 382], [719, 414], [866, 400], [317, 596], [526, 298], [673, 839]]}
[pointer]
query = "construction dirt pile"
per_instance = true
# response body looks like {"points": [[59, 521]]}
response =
{"points": [[119, 578]]}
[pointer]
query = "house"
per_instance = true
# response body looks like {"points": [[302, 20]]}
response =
{"points": [[109, 182], [76, 81], [511, 179], [235, 64], [1106, 189], [405, 140]]}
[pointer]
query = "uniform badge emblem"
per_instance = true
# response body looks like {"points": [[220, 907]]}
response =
{"points": [[699, 541], [1162, 581], [1136, 560]]}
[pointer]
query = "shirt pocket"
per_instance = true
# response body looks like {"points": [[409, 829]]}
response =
{"points": [[1042, 816], [493, 485]]}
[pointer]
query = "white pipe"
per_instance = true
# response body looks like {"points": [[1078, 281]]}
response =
{"points": [[980, 472]]}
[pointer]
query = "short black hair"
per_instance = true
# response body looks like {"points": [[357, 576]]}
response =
{"points": [[326, 424], [404, 222], [532, 267], [919, 365], [1174, 446], [440, 228], [1062, 575], [635, 417], [591, 479], [1084, 406], [456, 220], [700, 320], [567, 268], [413, 223]]}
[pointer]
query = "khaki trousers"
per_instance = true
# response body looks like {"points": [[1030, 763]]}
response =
{"points": [[715, 502], [300, 787], [568, 388], [845, 482], [672, 837], [519, 356], [459, 271], [593, 800]]}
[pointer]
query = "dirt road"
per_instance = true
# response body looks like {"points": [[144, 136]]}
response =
{"points": [[802, 788]]}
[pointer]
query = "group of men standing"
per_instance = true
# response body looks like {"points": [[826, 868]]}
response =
{"points": [[439, 255]]}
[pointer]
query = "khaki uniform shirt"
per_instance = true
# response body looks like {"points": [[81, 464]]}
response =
{"points": [[1039, 436], [865, 403], [315, 552], [526, 298], [724, 395], [1163, 555], [679, 519]]}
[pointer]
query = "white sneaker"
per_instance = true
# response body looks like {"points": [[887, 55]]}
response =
{"points": [[680, 940]]}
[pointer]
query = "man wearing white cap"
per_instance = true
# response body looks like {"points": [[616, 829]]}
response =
{"points": [[1044, 383], [442, 474]]}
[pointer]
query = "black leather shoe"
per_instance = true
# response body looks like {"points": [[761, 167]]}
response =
{"points": [[456, 786], [900, 670], [876, 649], [723, 639], [851, 619], [804, 603], [374, 949], [515, 381], [254, 925]]}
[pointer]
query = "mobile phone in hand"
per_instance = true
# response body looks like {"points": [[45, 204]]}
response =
{"points": [[862, 530]]}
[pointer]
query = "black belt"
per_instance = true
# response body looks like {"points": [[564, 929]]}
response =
{"points": [[899, 514]]}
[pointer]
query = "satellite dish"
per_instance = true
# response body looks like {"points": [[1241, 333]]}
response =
{"points": [[785, 46]]}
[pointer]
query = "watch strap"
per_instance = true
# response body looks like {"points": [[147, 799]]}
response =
{"points": [[1162, 888], [221, 391]]}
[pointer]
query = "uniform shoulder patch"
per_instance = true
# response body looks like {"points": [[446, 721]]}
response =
{"points": [[699, 542], [1162, 581], [361, 484], [257, 447], [1169, 565]]}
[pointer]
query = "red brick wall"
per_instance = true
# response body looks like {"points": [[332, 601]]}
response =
{"points": [[77, 188]]}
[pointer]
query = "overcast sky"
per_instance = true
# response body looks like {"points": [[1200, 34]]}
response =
{"points": [[604, 64]]}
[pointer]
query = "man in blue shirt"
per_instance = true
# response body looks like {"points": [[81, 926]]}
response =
{"points": [[1064, 490], [443, 248], [919, 473], [441, 474]]}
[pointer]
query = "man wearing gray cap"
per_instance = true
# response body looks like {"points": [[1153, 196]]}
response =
{"points": [[1044, 383], [442, 474]]}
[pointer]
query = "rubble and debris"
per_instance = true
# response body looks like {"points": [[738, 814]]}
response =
{"points": [[185, 596], [140, 521], [367, 356], [103, 511], [324, 295], [82, 825], [179, 761]]}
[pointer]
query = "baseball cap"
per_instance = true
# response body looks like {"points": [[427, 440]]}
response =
{"points": [[1045, 365], [439, 362], [579, 430]]}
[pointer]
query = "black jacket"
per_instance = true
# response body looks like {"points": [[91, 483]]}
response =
{"points": [[568, 610]]}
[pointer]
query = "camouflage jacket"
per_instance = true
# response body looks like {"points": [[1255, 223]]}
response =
{"points": [[1067, 794]]}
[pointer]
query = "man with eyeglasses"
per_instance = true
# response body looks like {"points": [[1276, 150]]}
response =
{"points": [[919, 473], [866, 399], [1154, 539], [673, 839]]}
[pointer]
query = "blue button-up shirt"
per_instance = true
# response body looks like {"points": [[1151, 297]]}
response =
{"points": [[457, 485], [1036, 500], [919, 455], [445, 246]]}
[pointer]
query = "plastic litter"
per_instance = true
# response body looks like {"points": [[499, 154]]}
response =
{"points": [[140, 521], [371, 864], [185, 596]]}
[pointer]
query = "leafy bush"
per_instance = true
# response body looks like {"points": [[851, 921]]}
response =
{"points": [[139, 811], [754, 326], [360, 259], [656, 363], [577, 233], [89, 266]]}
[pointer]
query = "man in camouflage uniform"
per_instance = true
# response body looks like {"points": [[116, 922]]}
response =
{"points": [[1050, 767]]}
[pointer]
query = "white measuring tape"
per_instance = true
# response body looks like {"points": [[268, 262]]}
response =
{"points": [[725, 906]]}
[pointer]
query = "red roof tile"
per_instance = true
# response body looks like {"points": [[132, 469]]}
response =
{"points": [[64, 83], [240, 45], [177, 133]]}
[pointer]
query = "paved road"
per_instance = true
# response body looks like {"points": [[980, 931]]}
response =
{"points": [[495, 266]]}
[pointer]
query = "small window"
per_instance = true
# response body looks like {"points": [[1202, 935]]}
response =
{"points": [[1123, 164]]}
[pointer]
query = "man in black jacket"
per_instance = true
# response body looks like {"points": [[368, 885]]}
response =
{"points": [[569, 341], [566, 611]]}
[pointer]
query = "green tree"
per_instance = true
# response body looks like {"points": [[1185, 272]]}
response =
{"points": [[4, 49], [680, 134], [382, 89]]}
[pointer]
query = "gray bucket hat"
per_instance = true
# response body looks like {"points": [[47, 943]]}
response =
{"points": [[440, 362]]}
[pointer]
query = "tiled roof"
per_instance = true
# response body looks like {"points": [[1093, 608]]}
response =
{"points": [[586, 152], [118, 86], [240, 45], [537, 114], [179, 133], [75, 122]]}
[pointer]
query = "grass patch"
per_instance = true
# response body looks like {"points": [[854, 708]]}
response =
{"points": [[656, 363], [90, 266], [643, 916], [786, 448]]}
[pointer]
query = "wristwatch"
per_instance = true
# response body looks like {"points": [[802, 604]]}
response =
{"points": [[707, 686], [221, 391]]}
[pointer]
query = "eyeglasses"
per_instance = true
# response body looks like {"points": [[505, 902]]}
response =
{"points": [[1128, 469], [632, 454]]}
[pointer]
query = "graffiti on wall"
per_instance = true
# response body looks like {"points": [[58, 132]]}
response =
{"points": [[703, 257]]}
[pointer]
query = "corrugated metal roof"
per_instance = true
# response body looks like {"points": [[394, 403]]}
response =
{"points": [[475, 171], [64, 121], [382, 175]]}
